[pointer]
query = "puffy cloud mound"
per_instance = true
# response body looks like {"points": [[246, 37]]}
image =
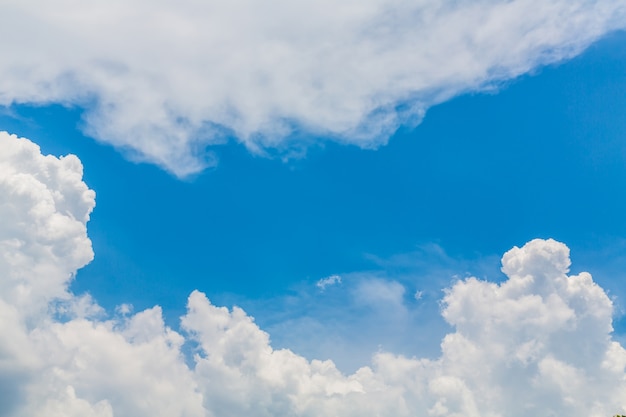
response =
{"points": [[43, 237], [537, 344], [165, 80]]}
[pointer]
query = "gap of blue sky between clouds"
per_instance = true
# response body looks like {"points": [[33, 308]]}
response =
{"points": [[306, 220]]}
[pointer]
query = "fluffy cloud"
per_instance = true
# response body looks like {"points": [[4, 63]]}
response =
{"points": [[165, 80], [539, 343]]}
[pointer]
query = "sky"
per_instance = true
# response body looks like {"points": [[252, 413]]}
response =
{"points": [[311, 209]]}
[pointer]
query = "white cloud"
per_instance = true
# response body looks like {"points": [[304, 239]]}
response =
{"points": [[539, 343], [42, 234], [164, 79], [325, 282]]}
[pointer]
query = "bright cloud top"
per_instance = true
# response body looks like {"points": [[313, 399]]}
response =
{"points": [[537, 344], [165, 80]]}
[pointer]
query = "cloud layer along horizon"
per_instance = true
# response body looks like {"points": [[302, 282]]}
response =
{"points": [[537, 344], [165, 81]]}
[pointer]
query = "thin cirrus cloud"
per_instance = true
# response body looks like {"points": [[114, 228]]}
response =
{"points": [[166, 81], [328, 281], [538, 343]]}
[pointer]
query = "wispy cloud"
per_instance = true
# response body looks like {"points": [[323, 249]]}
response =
{"points": [[375, 309], [538, 343], [167, 80], [325, 282]]}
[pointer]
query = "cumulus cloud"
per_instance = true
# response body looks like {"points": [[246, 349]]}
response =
{"points": [[539, 343], [165, 80]]}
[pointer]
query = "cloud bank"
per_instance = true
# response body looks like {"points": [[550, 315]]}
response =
{"points": [[166, 81], [538, 344]]}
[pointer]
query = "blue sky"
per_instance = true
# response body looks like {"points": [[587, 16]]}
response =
{"points": [[541, 156], [269, 202]]}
